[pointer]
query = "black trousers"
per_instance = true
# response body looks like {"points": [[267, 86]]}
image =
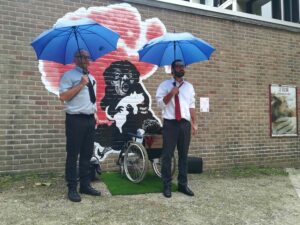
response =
{"points": [[175, 134], [80, 132]]}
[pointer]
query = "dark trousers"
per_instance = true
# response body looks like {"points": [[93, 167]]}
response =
{"points": [[175, 134], [80, 131]]}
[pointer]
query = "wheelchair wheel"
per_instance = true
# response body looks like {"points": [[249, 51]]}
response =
{"points": [[135, 162], [121, 167], [156, 165]]}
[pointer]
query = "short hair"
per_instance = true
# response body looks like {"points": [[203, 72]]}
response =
{"points": [[174, 63]]}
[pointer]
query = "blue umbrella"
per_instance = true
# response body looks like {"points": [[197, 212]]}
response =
{"points": [[60, 43], [162, 51]]}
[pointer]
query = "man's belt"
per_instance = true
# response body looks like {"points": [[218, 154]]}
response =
{"points": [[174, 120], [80, 115]]}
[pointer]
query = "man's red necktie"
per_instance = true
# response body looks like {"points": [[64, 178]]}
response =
{"points": [[177, 108]]}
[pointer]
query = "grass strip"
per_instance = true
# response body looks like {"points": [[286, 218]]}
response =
{"points": [[118, 184], [246, 172]]}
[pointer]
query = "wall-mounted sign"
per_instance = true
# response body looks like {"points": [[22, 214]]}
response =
{"points": [[204, 104], [283, 110]]}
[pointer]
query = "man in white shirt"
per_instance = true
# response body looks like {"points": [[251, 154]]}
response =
{"points": [[176, 98]]}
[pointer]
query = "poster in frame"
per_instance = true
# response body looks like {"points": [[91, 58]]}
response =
{"points": [[283, 111]]}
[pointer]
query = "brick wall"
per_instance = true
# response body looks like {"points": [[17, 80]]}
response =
{"points": [[248, 58]]}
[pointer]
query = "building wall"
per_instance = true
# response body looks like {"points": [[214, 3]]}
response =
{"points": [[236, 131]]}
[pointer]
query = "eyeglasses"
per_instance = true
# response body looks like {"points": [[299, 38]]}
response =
{"points": [[180, 66]]}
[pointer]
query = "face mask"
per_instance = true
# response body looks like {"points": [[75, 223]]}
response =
{"points": [[179, 74]]}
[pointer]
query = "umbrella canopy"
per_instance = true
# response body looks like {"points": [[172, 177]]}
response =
{"points": [[162, 51], [60, 43]]}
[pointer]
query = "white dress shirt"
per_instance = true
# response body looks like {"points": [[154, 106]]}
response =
{"points": [[186, 98]]}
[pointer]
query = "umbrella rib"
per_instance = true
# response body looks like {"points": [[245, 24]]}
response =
{"points": [[70, 34], [198, 48], [91, 32], [164, 51], [182, 54], [62, 31], [146, 50], [79, 35], [162, 54]]}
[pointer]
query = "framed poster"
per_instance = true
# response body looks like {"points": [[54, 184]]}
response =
{"points": [[283, 110]]}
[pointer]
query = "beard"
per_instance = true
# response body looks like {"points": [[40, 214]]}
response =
{"points": [[179, 74]]}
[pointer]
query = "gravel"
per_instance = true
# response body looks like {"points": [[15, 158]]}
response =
{"points": [[218, 200]]}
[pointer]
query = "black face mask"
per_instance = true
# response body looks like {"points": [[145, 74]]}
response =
{"points": [[178, 74]]}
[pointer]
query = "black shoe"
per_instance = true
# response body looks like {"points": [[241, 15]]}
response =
{"points": [[73, 195], [88, 190], [95, 178], [185, 190], [167, 192]]}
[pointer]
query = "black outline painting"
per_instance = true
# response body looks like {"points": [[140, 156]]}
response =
{"points": [[126, 104]]}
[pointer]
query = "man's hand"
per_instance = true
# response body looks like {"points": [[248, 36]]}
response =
{"points": [[96, 119], [175, 91], [84, 80], [69, 94], [194, 129], [169, 96]]}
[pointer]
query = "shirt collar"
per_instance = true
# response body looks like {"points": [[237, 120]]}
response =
{"points": [[79, 69], [177, 83]]}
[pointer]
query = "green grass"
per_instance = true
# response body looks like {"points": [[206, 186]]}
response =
{"points": [[248, 171], [25, 179], [120, 185], [257, 171]]}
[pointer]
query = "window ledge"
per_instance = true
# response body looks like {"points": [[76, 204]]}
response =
{"points": [[204, 10]]}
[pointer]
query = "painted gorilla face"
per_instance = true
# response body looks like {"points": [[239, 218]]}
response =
{"points": [[122, 81], [120, 77]]}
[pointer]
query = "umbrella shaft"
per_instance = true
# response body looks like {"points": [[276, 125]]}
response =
{"points": [[80, 56], [75, 33], [174, 49]]}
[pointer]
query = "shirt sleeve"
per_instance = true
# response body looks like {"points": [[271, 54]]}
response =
{"points": [[192, 100], [65, 84], [160, 94]]}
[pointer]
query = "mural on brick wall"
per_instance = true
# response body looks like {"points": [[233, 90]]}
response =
{"points": [[123, 102]]}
